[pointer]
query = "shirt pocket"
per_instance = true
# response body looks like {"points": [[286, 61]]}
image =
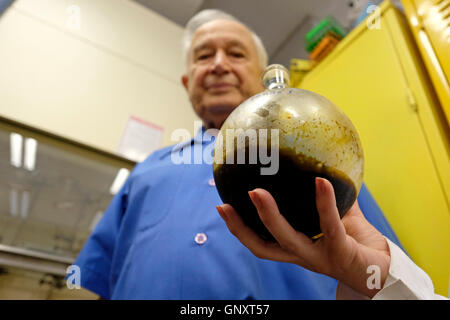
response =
{"points": [[155, 192]]}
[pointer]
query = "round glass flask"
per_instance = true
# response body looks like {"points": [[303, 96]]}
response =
{"points": [[281, 140]]}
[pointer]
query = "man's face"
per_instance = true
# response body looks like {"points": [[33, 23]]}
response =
{"points": [[223, 70]]}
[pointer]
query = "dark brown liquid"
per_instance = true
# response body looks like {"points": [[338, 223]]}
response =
{"points": [[293, 188]]}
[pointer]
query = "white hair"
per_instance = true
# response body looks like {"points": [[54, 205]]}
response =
{"points": [[208, 15]]}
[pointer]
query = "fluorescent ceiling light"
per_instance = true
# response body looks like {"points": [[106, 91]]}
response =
{"points": [[25, 204], [13, 202], [16, 141], [30, 153], [121, 177]]}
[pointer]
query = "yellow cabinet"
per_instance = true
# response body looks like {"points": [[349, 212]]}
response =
{"points": [[429, 21], [376, 77]]}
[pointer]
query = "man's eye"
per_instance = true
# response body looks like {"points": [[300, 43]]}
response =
{"points": [[203, 56], [237, 54]]}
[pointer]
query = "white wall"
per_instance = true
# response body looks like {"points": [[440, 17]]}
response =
{"points": [[84, 83]]}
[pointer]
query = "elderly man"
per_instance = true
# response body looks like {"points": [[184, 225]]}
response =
{"points": [[161, 237]]}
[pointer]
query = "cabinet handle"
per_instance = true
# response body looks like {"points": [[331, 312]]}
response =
{"points": [[412, 100]]}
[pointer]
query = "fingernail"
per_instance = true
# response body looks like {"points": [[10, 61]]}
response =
{"points": [[320, 187], [221, 212], [255, 198]]}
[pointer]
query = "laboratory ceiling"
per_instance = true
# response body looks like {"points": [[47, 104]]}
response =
{"points": [[274, 21]]}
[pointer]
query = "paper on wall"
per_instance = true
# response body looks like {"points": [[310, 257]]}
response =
{"points": [[140, 139]]}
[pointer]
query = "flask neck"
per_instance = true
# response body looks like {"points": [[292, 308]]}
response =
{"points": [[275, 77], [275, 85]]}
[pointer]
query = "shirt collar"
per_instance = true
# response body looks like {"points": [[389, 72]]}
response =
{"points": [[202, 136]]}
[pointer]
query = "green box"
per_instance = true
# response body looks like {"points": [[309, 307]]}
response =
{"points": [[328, 24]]}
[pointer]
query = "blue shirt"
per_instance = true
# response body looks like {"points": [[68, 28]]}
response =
{"points": [[146, 245]]}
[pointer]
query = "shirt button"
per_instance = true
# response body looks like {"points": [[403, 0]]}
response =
{"points": [[200, 238], [211, 182]]}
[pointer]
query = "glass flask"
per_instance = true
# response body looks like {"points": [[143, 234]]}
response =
{"points": [[280, 140]]}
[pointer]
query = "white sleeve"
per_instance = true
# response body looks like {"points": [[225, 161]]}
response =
{"points": [[405, 279]]}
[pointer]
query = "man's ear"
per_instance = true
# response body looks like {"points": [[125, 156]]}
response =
{"points": [[184, 81]]}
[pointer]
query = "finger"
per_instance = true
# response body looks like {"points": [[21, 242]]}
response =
{"points": [[288, 238], [259, 247], [330, 223]]}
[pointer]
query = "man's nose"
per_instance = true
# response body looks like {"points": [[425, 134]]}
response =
{"points": [[221, 64]]}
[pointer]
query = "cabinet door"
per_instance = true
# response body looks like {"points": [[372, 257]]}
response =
{"points": [[365, 78]]}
